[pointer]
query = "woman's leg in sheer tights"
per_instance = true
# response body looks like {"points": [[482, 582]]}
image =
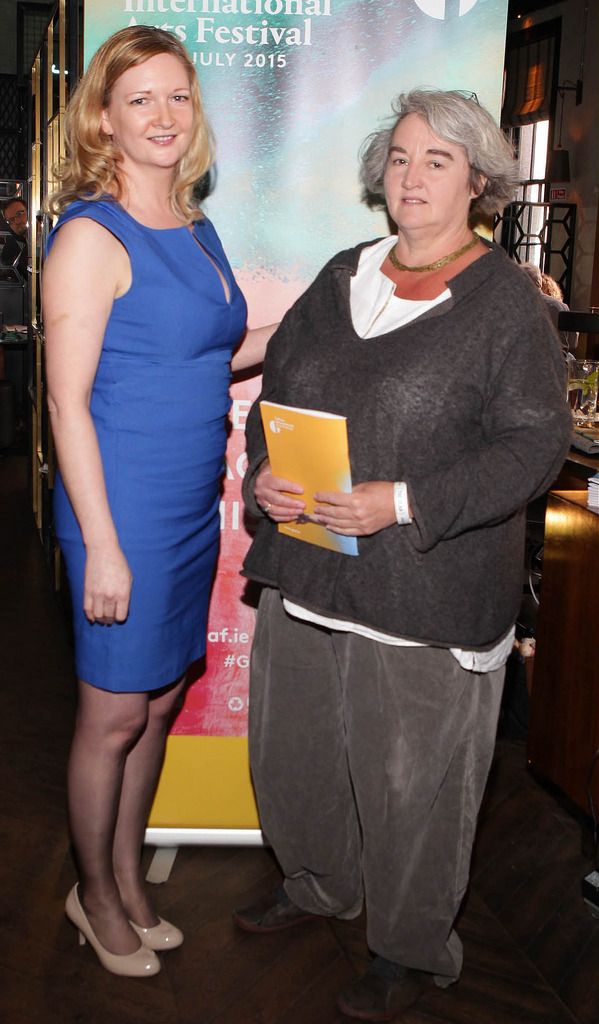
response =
{"points": [[106, 730], [142, 770]]}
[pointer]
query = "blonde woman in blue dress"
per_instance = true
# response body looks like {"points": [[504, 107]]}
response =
{"points": [[144, 322]]}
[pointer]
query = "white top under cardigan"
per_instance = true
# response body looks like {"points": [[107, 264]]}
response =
{"points": [[375, 310]]}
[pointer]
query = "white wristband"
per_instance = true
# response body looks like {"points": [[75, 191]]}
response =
{"points": [[400, 501]]}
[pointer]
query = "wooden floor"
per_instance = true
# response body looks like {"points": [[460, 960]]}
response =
{"points": [[531, 947]]}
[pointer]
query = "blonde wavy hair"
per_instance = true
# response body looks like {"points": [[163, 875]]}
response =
{"points": [[90, 169]]}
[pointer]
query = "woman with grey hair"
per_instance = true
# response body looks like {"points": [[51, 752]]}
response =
{"points": [[376, 680], [459, 119]]}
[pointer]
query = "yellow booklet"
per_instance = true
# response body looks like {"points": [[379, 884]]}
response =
{"points": [[310, 448]]}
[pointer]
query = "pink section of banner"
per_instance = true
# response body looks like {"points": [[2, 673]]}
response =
{"points": [[217, 702]]}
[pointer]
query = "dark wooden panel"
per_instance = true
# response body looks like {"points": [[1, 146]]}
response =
{"points": [[564, 722]]}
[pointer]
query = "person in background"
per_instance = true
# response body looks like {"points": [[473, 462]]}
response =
{"points": [[144, 322], [550, 287], [14, 253], [15, 250], [553, 303], [376, 680]]}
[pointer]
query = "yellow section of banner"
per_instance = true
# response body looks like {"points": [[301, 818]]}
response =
{"points": [[205, 783]]}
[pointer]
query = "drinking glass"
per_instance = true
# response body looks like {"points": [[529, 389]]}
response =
{"points": [[583, 375]]}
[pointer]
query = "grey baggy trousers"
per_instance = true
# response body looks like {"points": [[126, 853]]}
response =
{"points": [[369, 763]]}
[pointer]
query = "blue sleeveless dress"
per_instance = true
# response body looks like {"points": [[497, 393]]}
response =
{"points": [[159, 404]]}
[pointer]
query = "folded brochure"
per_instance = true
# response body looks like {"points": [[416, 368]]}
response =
{"points": [[309, 448]]}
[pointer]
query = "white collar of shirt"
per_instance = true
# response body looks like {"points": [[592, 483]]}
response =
{"points": [[375, 308]]}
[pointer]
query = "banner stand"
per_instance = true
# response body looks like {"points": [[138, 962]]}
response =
{"points": [[161, 865], [168, 840]]}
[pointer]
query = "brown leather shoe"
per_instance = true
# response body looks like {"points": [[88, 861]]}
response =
{"points": [[272, 913], [384, 991]]}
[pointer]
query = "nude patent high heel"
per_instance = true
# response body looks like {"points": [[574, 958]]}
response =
{"points": [[140, 964], [161, 936]]}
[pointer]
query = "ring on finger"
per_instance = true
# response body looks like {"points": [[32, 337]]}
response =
{"points": [[267, 507]]}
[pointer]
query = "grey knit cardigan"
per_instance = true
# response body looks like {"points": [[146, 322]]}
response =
{"points": [[467, 405]]}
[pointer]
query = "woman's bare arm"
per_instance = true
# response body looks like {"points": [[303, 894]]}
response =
{"points": [[253, 347], [86, 270]]}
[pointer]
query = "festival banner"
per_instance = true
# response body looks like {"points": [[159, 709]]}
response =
{"points": [[291, 89]]}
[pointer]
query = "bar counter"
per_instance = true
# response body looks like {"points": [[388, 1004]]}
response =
{"points": [[576, 470], [564, 707]]}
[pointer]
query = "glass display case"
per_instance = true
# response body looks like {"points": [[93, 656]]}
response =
{"points": [[54, 73]]}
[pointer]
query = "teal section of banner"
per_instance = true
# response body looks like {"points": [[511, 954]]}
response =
{"points": [[292, 87]]}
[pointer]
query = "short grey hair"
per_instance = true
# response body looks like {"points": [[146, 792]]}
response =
{"points": [[458, 119]]}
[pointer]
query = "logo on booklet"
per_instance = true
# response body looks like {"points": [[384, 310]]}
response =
{"points": [[277, 425]]}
